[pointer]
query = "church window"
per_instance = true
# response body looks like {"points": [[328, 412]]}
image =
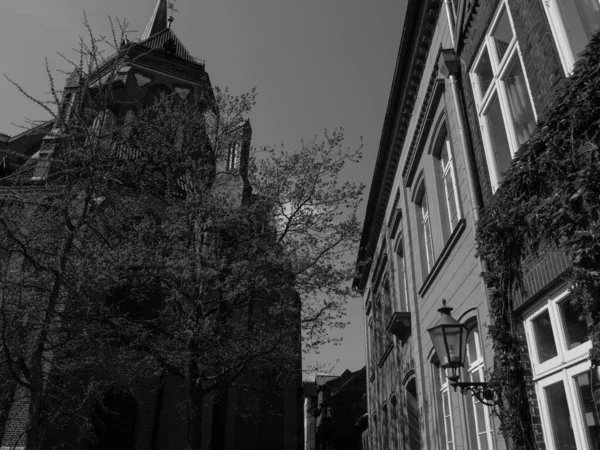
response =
{"points": [[233, 157], [155, 95]]}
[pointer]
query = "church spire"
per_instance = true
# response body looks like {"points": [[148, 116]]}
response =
{"points": [[158, 21]]}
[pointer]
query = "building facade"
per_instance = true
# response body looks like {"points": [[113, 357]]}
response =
{"points": [[472, 80], [148, 414], [333, 406]]}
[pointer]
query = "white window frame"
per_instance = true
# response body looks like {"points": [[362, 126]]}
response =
{"points": [[483, 99], [564, 355], [447, 415], [567, 364], [576, 415], [476, 367], [561, 35], [425, 229], [449, 171], [402, 281]]}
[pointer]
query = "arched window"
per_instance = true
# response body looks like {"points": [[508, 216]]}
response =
{"points": [[114, 422], [386, 298], [233, 156], [424, 227], [447, 186], [443, 404], [386, 426], [394, 422], [479, 414], [155, 94], [412, 411], [401, 274]]}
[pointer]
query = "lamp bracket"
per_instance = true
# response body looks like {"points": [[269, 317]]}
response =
{"points": [[482, 391]]}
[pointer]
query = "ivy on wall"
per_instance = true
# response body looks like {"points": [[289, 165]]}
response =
{"points": [[549, 200]]}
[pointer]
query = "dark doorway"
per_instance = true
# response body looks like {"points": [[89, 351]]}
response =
{"points": [[114, 422]]}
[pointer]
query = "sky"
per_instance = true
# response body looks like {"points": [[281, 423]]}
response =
{"points": [[317, 64]]}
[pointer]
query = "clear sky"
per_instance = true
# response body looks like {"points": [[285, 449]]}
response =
{"points": [[317, 64]]}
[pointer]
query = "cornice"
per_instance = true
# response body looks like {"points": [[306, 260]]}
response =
{"points": [[419, 26], [435, 89]]}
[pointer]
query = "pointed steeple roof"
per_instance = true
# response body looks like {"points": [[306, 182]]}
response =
{"points": [[159, 20]]}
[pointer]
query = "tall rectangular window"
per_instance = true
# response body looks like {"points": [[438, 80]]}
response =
{"points": [[447, 186], [412, 406], [233, 157], [441, 387], [573, 22], [425, 231], [504, 104], [480, 422], [401, 275]]}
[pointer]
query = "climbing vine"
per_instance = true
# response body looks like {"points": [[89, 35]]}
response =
{"points": [[549, 200]]}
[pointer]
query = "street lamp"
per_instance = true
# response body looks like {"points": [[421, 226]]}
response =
{"points": [[449, 338]]}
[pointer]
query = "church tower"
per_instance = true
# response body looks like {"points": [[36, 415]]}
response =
{"points": [[148, 412], [136, 76]]}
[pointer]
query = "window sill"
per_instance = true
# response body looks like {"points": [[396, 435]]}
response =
{"points": [[458, 231], [387, 352]]}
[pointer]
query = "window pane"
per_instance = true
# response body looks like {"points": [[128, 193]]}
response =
{"points": [[481, 426], [426, 230], [560, 416], [498, 138], [502, 34], [450, 197], [544, 338], [447, 420], [444, 155], [471, 348], [590, 416], [581, 19], [519, 102], [424, 208], [576, 328], [484, 72]]}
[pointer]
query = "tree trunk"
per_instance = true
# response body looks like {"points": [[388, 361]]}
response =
{"points": [[195, 400], [36, 363]]}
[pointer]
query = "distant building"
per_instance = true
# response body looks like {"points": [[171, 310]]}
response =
{"points": [[333, 405]]}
